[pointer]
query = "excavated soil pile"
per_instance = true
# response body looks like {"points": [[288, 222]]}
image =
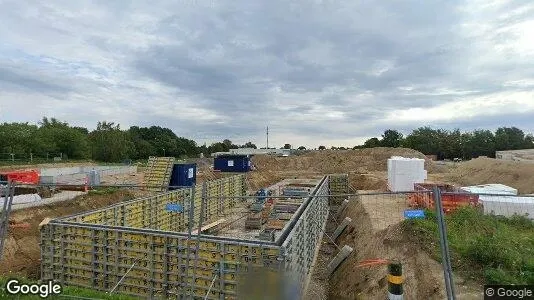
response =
{"points": [[22, 252], [487, 170], [423, 276], [368, 181], [337, 161]]}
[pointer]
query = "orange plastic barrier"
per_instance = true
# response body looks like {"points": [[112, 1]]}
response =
{"points": [[27, 177], [450, 200]]}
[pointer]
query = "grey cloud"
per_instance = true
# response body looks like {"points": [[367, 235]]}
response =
{"points": [[234, 58], [15, 80]]}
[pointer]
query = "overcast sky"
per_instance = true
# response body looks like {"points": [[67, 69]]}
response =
{"points": [[330, 72]]}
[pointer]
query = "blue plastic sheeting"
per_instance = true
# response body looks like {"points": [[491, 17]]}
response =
{"points": [[414, 214], [174, 207]]}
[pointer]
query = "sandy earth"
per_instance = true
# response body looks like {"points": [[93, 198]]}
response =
{"points": [[377, 235], [22, 252]]}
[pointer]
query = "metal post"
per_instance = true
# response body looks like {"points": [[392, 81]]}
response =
{"points": [[395, 280], [444, 245], [190, 229], [200, 221], [4, 215]]}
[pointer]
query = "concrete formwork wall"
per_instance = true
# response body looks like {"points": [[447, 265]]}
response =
{"points": [[301, 245], [161, 264], [173, 264], [338, 184], [150, 212]]}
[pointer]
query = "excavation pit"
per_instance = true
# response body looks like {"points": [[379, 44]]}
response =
{"points": [[149, 247]]}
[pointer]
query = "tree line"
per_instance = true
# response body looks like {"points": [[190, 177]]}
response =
{"points": [[450, 144], [107, 143]]}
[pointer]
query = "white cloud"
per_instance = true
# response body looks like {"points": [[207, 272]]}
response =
{"points": [[317, 72], [466, 108]]}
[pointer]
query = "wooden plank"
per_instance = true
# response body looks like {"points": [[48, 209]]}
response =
{"points": [[211, 225]]}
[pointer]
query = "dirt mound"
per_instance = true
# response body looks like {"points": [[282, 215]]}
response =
{"points": [[337, 161], [423, 276], [421, 272], [487, 170], [368, 181], [22, 251]]}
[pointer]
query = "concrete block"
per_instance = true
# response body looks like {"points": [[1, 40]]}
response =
{"points": [[341, 227], [340, 257]]}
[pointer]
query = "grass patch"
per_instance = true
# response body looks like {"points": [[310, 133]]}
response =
{"points": [[489, 249], [67, 291]]}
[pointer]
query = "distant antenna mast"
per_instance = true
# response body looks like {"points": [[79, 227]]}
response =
{"points": [[267, 137]]}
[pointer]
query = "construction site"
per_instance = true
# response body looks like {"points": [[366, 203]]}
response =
{"points": [[320, 225]]}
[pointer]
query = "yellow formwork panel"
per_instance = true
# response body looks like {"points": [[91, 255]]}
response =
{"points": [[100, 256]]}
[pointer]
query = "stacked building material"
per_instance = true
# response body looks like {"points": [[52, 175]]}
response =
{"points": [[267, 235], [293, 191], [284, 216], [275, 225], [403, 173], [158, 173], [286, 207], [499, 199], [253, 221]]}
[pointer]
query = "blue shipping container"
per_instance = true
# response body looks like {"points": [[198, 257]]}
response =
{"points": [[232, 163], [183, 175]]}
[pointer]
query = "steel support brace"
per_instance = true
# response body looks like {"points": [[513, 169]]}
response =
{"points": [[445, 254]]}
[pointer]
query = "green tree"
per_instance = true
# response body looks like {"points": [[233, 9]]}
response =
{"points": [[529, 142], [287, 146], [391, 138], [322, 148], [423, 139], [509, 138], [19, 138], [372, 142], [56, 136], [478, 143], [249, 145], [110, 144], [301, 148]]}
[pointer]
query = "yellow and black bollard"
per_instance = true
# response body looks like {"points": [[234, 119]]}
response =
{"points": [[395, 281]]}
